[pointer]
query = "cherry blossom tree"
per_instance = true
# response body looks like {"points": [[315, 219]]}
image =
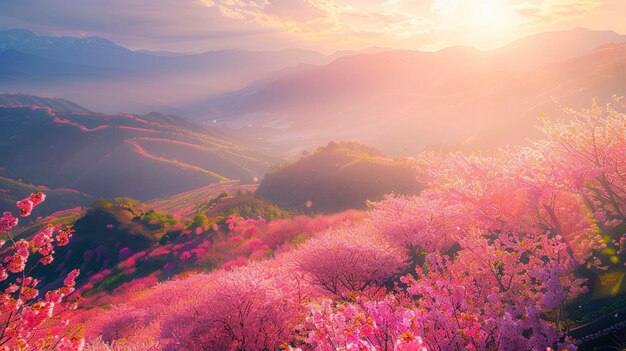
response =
{"points": [[31, 321], [249, 308], [349, 260], [588, 156]]}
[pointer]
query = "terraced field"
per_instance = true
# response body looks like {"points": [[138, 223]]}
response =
{"points": [[186, 204], [109, 155]]}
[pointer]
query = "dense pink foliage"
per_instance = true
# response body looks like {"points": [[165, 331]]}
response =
{"points": [[497, 239], [487, 257], [246, 309], [363, 325], [349, 260]]}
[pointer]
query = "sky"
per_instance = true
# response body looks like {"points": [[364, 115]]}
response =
{"points": [[322, 25]]}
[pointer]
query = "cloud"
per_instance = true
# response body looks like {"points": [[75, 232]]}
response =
{"points": [[545, 12], [320, 19], [200, 25]]}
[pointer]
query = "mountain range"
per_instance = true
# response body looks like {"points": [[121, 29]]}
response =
{"points": [[399, 101], [459, 97], [111, 78]]}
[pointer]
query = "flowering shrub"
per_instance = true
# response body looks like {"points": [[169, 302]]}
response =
{"points": [[348, 260], [245, 309], [31, 322]]}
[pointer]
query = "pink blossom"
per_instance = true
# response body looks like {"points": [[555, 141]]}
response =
{"points": [[7, 222], [25, 206]]}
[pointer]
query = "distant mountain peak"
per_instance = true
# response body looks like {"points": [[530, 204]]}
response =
{"points": [[17, 32], [99, 42], [587, 30], [591, 35], [25, 40], [11, 37]]}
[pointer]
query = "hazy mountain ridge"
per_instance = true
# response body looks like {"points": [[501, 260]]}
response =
{"points": [[96, 51], [119, 155], [87, 69], [403, 101], [551, 47], [57, 104], [295, 88]]}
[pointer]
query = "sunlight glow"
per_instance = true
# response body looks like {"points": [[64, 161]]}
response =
{"points": [[483, 13]]}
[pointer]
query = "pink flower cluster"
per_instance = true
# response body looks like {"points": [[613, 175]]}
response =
{"points": [[26, 205], [363, 325]]}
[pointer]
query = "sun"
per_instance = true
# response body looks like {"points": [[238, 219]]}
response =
{"points": [[485, 12], [482, 13]]}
